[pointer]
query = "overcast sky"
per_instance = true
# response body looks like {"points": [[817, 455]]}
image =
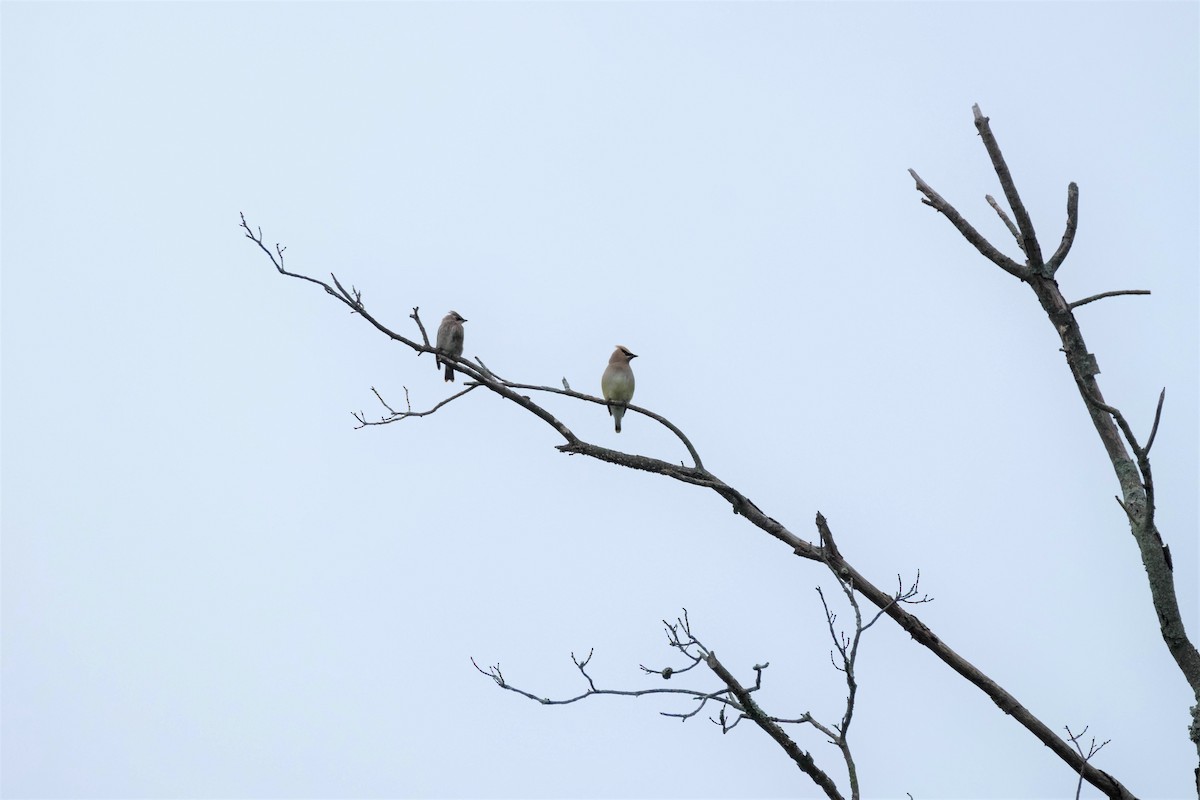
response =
{"points": [[214, 586]]}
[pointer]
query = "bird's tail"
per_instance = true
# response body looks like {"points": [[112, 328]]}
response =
{"points": [[617, 412], [449, 372]]}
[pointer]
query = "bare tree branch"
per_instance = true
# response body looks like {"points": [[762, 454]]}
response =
{"points": [[846, 646], [772, 729], [1008, 223], [396, 416], [1142, 454], [1064, 247], [1074, 738], [1103, 295], [1157, 416], [968, 231], [1030, 246], [1135, 478], [416, 316], [568, 392], [496, 675], [736, 701]]}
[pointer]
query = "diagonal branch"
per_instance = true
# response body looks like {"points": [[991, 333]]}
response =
{"points": [[1006, 702], [968, 231], [1030, 246], [743, 506], [752, 710], [1008, 223]]}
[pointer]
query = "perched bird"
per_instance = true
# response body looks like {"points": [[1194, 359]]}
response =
{"points": [[617, 383], [450, 340]]}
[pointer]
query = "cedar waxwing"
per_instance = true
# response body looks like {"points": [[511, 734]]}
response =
{"points": [[450, 340], [617, 383]]}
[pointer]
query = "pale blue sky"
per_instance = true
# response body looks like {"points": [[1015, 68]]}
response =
{"points": [[214, 587]]}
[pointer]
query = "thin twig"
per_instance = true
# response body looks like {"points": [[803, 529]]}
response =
{"points": [[1008, 223], [494, 673], [1103, 295], [416, 315], [1092, 750], [1157, 416], [397, 416]]}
